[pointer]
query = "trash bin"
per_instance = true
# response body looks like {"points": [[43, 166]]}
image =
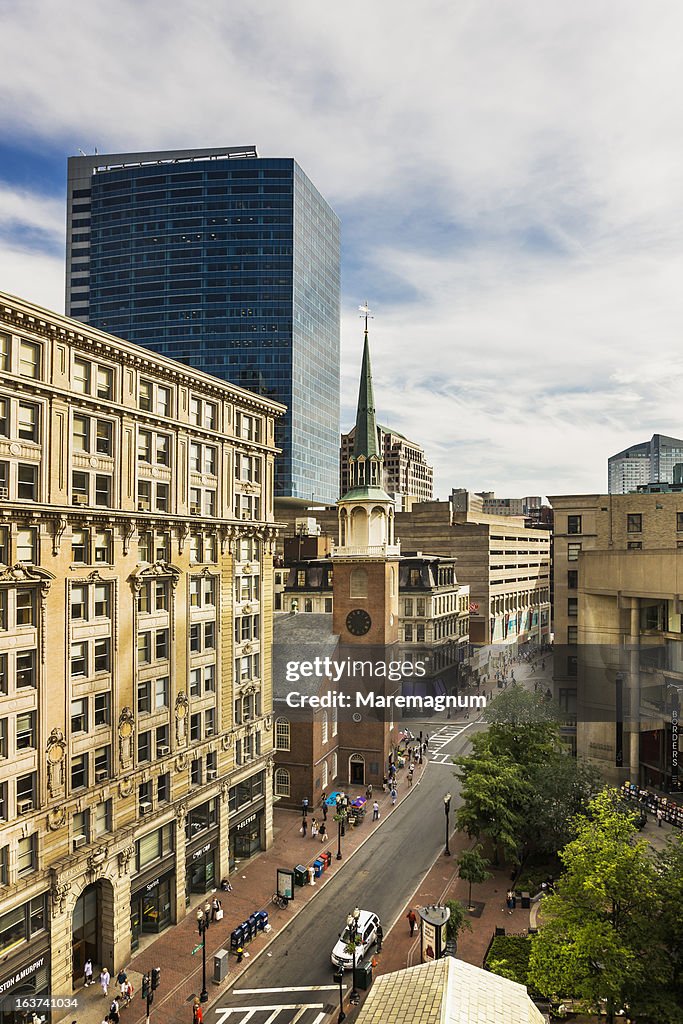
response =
{"points": [[261, 919], [318, 867], [221, 965], [364, 976], [236, 938], [301, 875], [526, 900]]}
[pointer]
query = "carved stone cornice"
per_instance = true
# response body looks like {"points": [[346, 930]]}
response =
{"points": [[153, 571]]}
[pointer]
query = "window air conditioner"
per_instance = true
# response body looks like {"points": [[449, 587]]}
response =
{"points": [[246, 515], [80, 499], [25, 806], [211, 773], [144, 506], [145, 807], [163, 750], [101, 775], [79, 841], [209, 731], [195, 510], [4, 492]]}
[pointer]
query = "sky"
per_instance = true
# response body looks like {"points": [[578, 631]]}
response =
{"points": [[509, 178]]}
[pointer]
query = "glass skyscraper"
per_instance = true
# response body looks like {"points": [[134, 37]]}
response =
{"points": [[227, 262]]}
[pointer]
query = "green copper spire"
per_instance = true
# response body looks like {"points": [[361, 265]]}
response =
{"points": [[365, 437]]}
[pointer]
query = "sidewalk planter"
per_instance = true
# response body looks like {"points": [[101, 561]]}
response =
{"points": [[301, 875], [318, 868]]}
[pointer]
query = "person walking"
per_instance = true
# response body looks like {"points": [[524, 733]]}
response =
{"points": [[197, 1015], [394, 794], [510, 900], [87, 972], [380, 937], [304, 827], [410, 776], [216, 910], [114, 1011], [375, 811], [105, 978], [660, 817], [127, 994], [412, 921], [323, 832], [325, 811], [121, 979]]}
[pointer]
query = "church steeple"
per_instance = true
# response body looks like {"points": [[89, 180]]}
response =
{"points": [[366, 512]]}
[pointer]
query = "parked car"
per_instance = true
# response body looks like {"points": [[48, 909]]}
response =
{"points": [[342, 955]]}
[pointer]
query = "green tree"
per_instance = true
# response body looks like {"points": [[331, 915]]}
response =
{"points": [[472, 868], [494, 793], [602, 937], [457, 922], [562, 788]]}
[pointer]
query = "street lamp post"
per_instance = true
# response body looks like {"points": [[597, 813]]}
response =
{"points": [[202, 925], [339, 979], [340, 816], [352, 924], [447, 809]]}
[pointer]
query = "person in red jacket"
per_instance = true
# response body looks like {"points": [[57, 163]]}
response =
{"points": [[412, 921]]}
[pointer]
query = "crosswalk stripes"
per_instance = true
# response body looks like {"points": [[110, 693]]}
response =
{"points": [[441, 759], [306, 1004]]}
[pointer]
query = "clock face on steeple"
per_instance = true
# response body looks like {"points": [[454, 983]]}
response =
{"points": [[358, 622]]}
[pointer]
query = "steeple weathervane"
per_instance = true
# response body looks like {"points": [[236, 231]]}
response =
{"points": [[365, 312]]}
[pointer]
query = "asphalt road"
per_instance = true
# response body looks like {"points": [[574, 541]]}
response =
{"points": [[381, 877]]}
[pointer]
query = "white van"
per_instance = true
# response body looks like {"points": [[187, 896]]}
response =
{"points": [[367, 935]]}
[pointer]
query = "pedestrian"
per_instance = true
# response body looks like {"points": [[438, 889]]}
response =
{"points": [[121, 979], [323, 832], [128, 994], [394, 794], [380, 938], [197, 1015], [660, 816], [114, 1012], [325, 811], [225, 885], [410, 777], [412, 921], [105, 978], [314, 828], [216, 909], [87, 972], [375, 811], [385, 784], [368, 793], [304, 827], [304, 807], [509, 899]]}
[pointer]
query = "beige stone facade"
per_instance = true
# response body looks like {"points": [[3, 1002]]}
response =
{"points": [[136, 588], [618, 598]]}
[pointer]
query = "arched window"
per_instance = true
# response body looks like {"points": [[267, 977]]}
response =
{"points": [[282, 786], [323, 778], [359, 583], [282, 734], [324, 722]]}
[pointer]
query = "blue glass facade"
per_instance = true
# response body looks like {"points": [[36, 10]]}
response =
{"points": [[232, 267]]}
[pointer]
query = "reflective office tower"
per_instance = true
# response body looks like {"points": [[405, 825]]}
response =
{"points": [[226, 262], [659, 460]]}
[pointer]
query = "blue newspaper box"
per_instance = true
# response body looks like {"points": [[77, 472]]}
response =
{"points": [[236, 938], [318, 867], [261, 919]]}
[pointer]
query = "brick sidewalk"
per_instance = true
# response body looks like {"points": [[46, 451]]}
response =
{"points": [[254, 883]]}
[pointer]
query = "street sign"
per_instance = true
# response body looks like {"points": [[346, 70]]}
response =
{"points": [[196, 949]]}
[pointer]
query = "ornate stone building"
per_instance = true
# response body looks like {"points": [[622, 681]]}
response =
{"points": [[136, 583]]}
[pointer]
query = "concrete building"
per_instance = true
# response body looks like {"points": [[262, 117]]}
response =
{"points": [[136, 582], [648, 462], [405, 474], [618, 664], [462, 499], [228, 262]]}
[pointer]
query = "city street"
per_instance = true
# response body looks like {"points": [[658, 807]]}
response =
{"points": [[382, 879]]}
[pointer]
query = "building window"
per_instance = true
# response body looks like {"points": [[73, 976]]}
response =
{"points": [[164, 788], [679, 522], [27, 850], [27, 425], [101, 818], [572, 634], [333, 769], [79, 771], [26, 669], [634, 545], [79, 715], [334, 721], [572, 579], [358, 583], [144, 746], [573, 551], [282, 734], [79, 829], [573, 524], [79, 659], [27, 482], [324, 727], [572, 606], [282, 783], [634, 523], [29, 359], [102, 708], [26, 730]]}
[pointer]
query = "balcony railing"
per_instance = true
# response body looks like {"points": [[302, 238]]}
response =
{"points": [[371, 551]]}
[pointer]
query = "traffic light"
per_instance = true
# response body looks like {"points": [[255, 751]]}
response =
{"points": [[156, 977], [144, 992]]}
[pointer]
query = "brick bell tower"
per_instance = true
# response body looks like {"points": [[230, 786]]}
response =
{"points": [[365, 585]]}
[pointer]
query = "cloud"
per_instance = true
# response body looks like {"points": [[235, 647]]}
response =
{"points": [[508, 177]]}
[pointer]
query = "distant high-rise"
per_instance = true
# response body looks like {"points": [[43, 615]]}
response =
{"points": [[648, 462], [229, 263], [405, 471]]}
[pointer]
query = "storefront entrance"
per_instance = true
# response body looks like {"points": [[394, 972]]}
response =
{"points": [[357, 770], [150, 909], [201, 871], [86, 931], [246, 837]]}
